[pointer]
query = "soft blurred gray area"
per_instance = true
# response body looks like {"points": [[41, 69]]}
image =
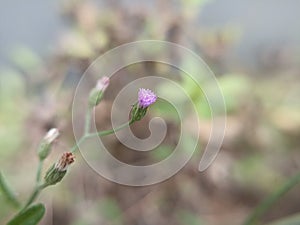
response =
{"points": [[265, 24], [33, 23]]}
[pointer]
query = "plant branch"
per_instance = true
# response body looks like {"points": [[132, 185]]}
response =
{"points": [[100, 134], [33, 196]]}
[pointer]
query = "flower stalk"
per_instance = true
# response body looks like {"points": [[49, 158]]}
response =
{"points": [[146, 98], [58, 170]]}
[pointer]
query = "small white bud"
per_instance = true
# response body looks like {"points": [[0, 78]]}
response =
{"points": [[51, 136], [46, 143]]}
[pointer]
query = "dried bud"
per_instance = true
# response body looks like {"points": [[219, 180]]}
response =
{"points": [[46, 143], [146, 98], [65, 160], [58, 170], [97, 93]]}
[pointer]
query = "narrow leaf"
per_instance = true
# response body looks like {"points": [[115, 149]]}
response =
{"points": [[268, 202], [8, 193], [30, 216]]}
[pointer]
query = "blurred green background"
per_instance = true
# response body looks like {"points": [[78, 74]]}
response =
{"points": [[251, 46]]}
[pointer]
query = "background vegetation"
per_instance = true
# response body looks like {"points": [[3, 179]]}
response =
{"points": [[259, 79]]}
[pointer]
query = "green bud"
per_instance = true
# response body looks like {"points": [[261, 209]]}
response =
{"points": [[97, 93], [59, 169], [54, 175], [46, 143], [95, 98], [137, 113]]}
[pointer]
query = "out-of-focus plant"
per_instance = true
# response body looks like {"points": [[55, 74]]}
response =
{"points": [[271, 200], [30, 213]]}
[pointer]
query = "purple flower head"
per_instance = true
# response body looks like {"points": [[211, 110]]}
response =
{"points": [[146, 97]]}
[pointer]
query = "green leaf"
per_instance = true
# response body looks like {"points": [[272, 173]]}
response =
{"points": [[290, 220], [8, 193], [30, 216]]}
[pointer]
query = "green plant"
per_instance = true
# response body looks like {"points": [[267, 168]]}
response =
{"points": [[29, 214]]}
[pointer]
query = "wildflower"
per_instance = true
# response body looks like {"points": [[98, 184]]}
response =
{"points": [[97, 92], [58, 170], [46, 143], [146, 98]]}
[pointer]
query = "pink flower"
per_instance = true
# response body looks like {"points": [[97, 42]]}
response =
{"points": [[146, 98], [102, 84]]}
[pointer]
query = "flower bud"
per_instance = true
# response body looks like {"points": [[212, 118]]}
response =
{"points": [[146, 98], [46, 143], [97, 92], [58, 170]]}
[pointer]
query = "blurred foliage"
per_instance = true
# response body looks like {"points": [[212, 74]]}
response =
{"points": [[8, 193], [186, 217], [25, 59], [111, 211], [12, 112], [261, 145], [291, 220]]}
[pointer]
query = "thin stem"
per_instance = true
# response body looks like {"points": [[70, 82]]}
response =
{"points": [[101, 133], [33, 196], [86, 135], [76, 145], [38, 187], [270, 200], [87, 121], [107, 132], [39, 171]]}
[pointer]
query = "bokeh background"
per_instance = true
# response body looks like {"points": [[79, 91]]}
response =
{"points": [[253, 47]]}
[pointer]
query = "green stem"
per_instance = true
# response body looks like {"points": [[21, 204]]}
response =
{"points": [[86, 135], [39, 171], [33, 196], [87, 121], [99, 134], [76, 145], [107, 132], [270, 200]]}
